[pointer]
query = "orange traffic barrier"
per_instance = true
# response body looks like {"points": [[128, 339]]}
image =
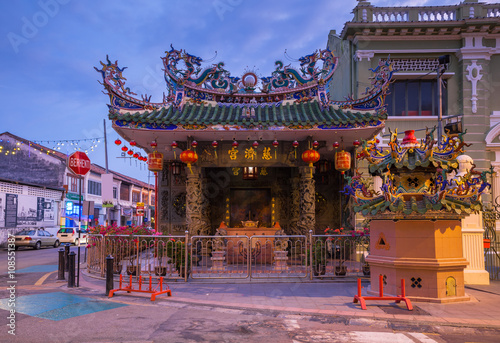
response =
{"points": [[155, 291], [397, 299]]}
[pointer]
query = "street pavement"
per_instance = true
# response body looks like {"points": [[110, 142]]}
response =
{"points": [[42, 299]]}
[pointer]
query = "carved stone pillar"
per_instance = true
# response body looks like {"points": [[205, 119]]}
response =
{"points": [[294, 204], [307, 219], [195, 219]]}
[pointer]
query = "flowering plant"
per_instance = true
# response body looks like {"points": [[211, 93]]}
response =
{"points": [[122, 230], [329, 231]]}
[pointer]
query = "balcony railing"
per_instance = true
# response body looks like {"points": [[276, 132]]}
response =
{"points": [[365, 12]]}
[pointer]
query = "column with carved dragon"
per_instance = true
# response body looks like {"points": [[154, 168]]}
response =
{"points": [[195, 219], [294, 204], [307, 218]]}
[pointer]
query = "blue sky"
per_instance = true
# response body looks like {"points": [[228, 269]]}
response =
{"points": [[49, 88]]}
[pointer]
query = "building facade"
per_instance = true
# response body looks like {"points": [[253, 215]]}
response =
{"points": [[38, 190], [446, 61]]}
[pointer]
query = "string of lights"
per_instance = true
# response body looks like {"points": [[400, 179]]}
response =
{"points": [[12, 146]]}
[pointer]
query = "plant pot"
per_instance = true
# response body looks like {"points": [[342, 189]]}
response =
{"points": [[319, 269], [366, 270], [117, 268], [160, 271], [132, 270], [181, 272], [340, 270]]}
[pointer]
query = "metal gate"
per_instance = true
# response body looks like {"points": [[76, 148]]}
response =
{"points": [[248, 257], [491, 241]]}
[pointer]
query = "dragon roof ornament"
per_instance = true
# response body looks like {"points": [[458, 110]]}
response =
{"points": [[188, 82], [417, 180]]}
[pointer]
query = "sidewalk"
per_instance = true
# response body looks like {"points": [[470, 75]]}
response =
{"points": [[321, 298]]}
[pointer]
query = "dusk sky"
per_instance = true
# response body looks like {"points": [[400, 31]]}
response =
{"points": [[48, 85]]}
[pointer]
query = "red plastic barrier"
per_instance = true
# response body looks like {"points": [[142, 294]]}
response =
{"points": [[154, 291], [397, 299]]}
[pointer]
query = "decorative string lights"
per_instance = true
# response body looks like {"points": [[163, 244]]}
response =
{"points": [[66, 146]]}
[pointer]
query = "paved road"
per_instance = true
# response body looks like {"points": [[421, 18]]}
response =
{"points": [[48, 311]]}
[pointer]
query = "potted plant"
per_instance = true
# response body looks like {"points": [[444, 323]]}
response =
{"points": [[159, 252], [133, 269], [319, 258], [176, 250], [341, 269]]}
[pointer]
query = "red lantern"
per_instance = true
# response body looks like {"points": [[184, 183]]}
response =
{"points": [[118, 142], [295, 145], [255, 144], [130, 152], [356, 143], [174, 146], [275, 145], [136, 155], [235, 144], [153, 144], [194, 144], [336, 145], [124, 148], [155, 161], [315, 144], [215, 144], [133, 143], [189, 157], [310, 156], [342, 161]]}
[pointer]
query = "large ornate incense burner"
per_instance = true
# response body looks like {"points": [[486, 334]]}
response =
{"points": [[424, 179]]}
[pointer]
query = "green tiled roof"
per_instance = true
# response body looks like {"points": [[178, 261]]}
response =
{"points": [[308, 113]]}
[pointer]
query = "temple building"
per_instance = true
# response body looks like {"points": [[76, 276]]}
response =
{"points": [[248, 148]]}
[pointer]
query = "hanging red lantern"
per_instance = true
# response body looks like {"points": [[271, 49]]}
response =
{"points": [[315, 145], [118, 142], [235, 144], [130, 152], [295, 145], [255, 144], [194, 144], [275, 145], [310, 156], [342, 161], [155, 161], [174, 146], [133, 143], [215, 144], [336, 145], [153, 144], [124, 148], [356, 143], [189, 157], [136, 155]]}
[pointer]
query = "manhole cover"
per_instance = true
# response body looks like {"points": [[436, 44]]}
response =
{"points": [[401, 309]]}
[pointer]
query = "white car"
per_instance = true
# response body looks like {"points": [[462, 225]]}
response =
{"points": [[70, 235]]}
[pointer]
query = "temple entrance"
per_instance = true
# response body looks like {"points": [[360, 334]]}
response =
{"points": [[250, 204]]}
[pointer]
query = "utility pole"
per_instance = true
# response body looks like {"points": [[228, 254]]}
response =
{"points": [[106, 214], [443, 62]]}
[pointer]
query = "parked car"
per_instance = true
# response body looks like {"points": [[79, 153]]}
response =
{"points": [[70, 235], [35, 238]]}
